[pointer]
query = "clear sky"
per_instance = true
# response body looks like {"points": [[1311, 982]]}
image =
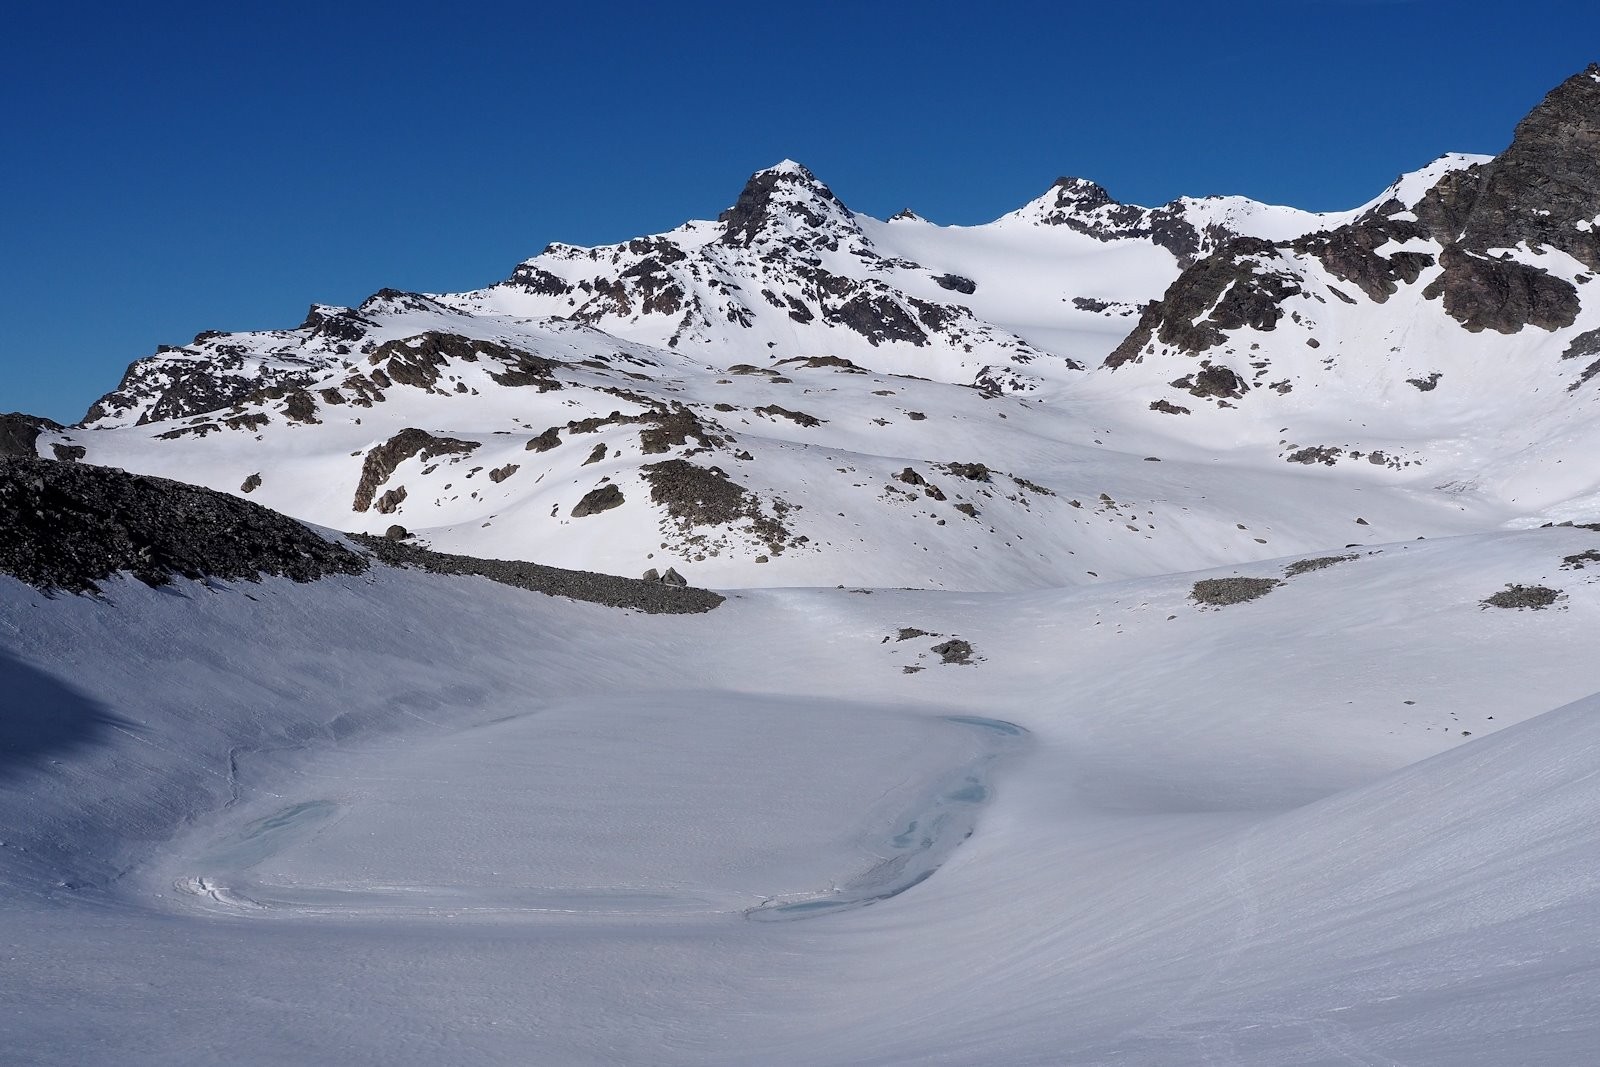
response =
{"points": [[166, 169]]}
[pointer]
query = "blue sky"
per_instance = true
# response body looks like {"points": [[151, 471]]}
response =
{"points": [[176, 169]]}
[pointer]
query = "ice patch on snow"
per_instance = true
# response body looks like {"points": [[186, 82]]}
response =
{"points": [[928, 833]]}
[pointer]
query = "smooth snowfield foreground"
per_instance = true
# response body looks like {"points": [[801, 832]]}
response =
{"points": [[418, 819]]}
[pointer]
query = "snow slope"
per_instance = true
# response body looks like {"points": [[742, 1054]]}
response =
{"points": [[507, 827]]}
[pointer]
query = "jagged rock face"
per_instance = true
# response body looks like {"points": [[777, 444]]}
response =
{"points": [[1445, 208], [1545, 188], [384, 459], [1480, 286], [19, 434], [69, 526], [252, 370], [1477, 224], [880, 319], [538, 282], [1543, 192], [1228, 290], [335, 323], [336, 357], [776, 197], [1351, 254], [1501, 295], [419, 361], [396, 301], [1087, 208], [177, 383]]}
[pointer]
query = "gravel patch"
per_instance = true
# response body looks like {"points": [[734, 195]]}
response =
{"points": [[1306, 566], [1536, 597], [1220, 592], [612, 591]]}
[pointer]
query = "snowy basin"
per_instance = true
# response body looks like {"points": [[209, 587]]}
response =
{"points": [[771, 810]]}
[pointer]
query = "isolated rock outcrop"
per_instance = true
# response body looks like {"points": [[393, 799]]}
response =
{"points": [[597, 500], [383, 460]]}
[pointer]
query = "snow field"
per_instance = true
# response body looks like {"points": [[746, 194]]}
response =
{"points": [[502, 826]]}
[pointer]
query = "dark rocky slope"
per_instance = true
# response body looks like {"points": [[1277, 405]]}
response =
{"points": [[654, 598], [1543, 191], [71, 525], [19, 434]]}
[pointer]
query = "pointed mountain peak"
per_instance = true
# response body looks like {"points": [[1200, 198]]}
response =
{"points": [[786, 191], [1564, 125], [1545, 187], [1076, 203], [1079, 193], [790, 169], [1585, 83], [1568, 118]]}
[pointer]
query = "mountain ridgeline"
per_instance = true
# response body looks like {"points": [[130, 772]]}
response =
{"points": [[794, 393]]}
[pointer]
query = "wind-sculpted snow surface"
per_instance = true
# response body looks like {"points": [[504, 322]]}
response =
{"points": [[400, 817], [277, 865]]}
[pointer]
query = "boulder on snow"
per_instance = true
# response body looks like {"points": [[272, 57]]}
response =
{"points": [[595, 501]]}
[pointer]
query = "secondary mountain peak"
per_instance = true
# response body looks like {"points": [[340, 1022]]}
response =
{"points": [[1066, 202], [1080, 193], [779, 198], [1544, 188]]}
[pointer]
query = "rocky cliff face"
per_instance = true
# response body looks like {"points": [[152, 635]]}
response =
{"points": [[1488, 243], [19, 434], [1542, 191]]}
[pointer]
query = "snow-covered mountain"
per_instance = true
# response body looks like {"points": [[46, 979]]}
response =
{"points": [[1123, 635], [757, 398]]}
